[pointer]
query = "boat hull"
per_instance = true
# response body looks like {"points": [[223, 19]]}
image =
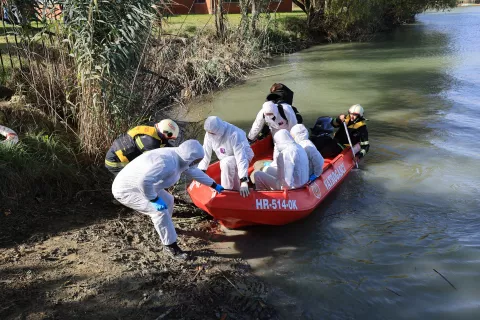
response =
{"points": [[269, 207]]}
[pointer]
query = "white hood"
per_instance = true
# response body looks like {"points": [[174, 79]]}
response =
{"points": [[275, 120], [216, 126], [299, 133], [190, 151], [283, 139]]}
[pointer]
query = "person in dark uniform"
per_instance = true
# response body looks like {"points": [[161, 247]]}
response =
{"points": [[139, 140], [357, 129]]}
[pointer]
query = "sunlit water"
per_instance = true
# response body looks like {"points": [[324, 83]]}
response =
{"points": [[370, 251]]}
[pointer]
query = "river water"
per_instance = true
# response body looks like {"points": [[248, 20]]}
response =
{"points": [[371, 250]]}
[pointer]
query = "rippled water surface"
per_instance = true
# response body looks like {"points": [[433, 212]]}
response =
{"points": [[370, 251]]}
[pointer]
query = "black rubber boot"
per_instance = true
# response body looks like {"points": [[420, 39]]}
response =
{"points": [[174, 251]]}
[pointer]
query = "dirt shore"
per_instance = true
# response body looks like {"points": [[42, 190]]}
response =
{"points": [[96, 260]]}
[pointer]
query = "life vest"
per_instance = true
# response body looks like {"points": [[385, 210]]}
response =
{"points": [[351, 130], [129, 146], [356, 124]]}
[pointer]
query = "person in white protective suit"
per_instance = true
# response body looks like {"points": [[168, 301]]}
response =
{"points": [[274, 118], [291, 169], [232, 149], [140, 186], [300, 134]]}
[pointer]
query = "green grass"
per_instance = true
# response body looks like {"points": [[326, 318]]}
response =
{"points": [[40, 165], [188, 24], [8, 42]]}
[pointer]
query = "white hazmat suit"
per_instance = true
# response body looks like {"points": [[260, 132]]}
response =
{"points": [[275, 121], [292, 165], [232, 149], [146, 177], [300, 133]]}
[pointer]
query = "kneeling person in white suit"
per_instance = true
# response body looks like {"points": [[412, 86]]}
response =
{"points": [[300, 133], [232, 149], [140, 186], [291, 165]]}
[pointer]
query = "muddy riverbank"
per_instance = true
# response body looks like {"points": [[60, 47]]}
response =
{"points": [[101, 261]]}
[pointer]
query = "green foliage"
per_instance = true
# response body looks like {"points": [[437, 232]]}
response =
{"points": [[386, 12], [107, 40], [352, 18], [108, 37], [40, 165], [27, 8]]}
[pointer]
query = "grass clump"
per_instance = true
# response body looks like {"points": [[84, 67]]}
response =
{"points": [[41, 166]]}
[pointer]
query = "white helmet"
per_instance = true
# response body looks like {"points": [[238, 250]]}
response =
{"points": [[168, 128], [357, 109]]}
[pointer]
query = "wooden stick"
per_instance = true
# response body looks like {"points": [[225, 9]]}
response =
{"points": [[441, 275], [393, 291]]}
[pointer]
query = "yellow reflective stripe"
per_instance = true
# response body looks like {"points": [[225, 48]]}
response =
{"points": [[357, 125], [364, 143], [363, 151], [138, 141], [147, 130], [115, 164], [120, 156]]}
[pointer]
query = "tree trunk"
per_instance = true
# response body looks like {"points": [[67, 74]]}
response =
{"points": [[315, 12], [244, 4], [219, 19], [255, 12]]}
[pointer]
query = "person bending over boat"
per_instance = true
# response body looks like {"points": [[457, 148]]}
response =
{"points": [[139, 140], [232, 149], [321, 136], [357, 129], [315, 160], [291, 170], [140, 186]]}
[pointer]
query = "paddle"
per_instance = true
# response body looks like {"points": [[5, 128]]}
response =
{"points": [[350, 142]]}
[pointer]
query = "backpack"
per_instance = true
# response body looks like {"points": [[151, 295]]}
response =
{"points": [[323, 126], [295, 110]]}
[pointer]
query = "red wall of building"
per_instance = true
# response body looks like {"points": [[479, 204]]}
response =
{"points": [[188, 6]]}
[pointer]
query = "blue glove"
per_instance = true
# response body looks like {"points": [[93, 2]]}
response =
{"points": [[267, 163], [312, 178], [219, 188], [159, 204]]}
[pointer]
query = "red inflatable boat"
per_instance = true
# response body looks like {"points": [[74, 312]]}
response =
{"points": [[269, 207]]}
